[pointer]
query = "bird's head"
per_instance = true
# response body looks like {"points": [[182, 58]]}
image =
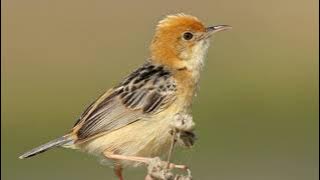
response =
{"points": [[181, 41]]}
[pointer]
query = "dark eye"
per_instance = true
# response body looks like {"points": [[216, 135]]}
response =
{"points": [[187, 36]]}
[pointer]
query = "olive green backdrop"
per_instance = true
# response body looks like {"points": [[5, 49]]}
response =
{"points": [[256, 112]]}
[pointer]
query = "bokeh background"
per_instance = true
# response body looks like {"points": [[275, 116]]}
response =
{"points": [[256, 112]]}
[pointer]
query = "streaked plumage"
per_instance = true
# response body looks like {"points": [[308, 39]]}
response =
{"points": [[133, 118], [144, 93]]}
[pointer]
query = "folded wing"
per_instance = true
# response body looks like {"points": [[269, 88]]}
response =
{"points": [[145, 92]]}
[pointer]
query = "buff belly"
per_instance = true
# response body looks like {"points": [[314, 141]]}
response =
{"points": [[144, 138]]}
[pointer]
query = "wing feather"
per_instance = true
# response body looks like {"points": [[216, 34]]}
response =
{"points": [[145, 92]]}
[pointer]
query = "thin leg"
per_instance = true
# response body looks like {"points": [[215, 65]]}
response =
{"points": [[118, 172], [145, 160], [110, 155]]}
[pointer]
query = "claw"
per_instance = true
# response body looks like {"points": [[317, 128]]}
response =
{"points": [[157, 170]]}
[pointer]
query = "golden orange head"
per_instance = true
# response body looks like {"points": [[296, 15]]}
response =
{"points": [[180, 39]]}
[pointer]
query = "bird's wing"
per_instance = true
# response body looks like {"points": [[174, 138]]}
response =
{"points": [[145, 92]]}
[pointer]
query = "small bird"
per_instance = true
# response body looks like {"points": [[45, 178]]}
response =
{"points": [[131, 122]]}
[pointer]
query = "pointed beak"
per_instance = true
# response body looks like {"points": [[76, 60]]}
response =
{"points": [[213, 29]]}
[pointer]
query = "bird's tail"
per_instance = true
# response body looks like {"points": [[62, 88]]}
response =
{"points": [[54, 143]]}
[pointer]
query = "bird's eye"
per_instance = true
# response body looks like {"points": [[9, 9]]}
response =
{"points": [[187, 36]]}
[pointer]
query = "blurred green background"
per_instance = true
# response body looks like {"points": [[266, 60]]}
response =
{"points": [[256, 112]]}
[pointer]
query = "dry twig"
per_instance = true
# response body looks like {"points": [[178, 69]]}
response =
{"points": [[182, 132]]}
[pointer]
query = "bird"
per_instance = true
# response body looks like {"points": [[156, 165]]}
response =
{"points": [[130, 123]]}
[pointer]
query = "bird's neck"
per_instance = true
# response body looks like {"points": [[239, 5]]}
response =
{"points": [[189, 60], [189, 75], [194, 62]]}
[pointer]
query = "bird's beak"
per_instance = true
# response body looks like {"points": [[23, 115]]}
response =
{"points": [[213, 29]]}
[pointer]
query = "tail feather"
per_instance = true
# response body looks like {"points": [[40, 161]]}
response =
{"points": [[54, 143]]}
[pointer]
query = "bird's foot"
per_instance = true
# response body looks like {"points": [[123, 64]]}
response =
{"points": [[158, 170]]}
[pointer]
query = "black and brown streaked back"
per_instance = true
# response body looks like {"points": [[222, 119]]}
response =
{"points": [[145, 92]]}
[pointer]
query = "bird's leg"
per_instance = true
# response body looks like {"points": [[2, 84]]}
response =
{"points": [[144, 160], [118, 172], [111, 155]]}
